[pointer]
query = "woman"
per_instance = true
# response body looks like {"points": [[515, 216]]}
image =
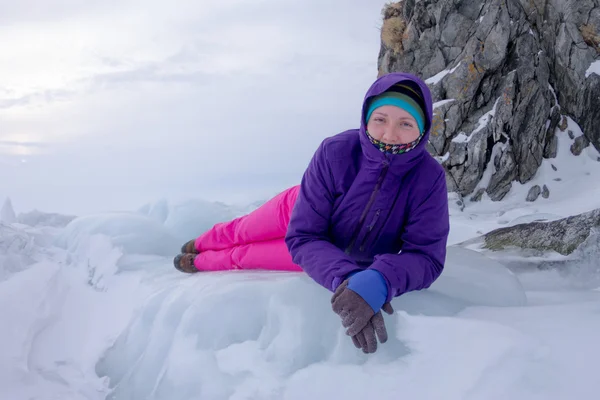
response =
{"points": [[369, 220]]}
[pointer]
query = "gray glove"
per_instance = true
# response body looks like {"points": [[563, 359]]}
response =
{"points": [[352, 308], [365, 339]]}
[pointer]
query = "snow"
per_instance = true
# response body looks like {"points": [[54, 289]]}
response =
{"points": [[439, 76], [461, 138], [553, 95], [442, 103], [594, 68], [93, 309], [110, 319], [444, 158], [483, 121], [573, 186]]}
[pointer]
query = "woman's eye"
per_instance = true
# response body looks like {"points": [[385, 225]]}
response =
{"points": [[379, 119]]}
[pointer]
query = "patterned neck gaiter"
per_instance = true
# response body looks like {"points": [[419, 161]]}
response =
{"points": [[394, 148]]}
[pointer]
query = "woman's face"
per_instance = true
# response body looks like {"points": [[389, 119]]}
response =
{"points": [[393, 125]]}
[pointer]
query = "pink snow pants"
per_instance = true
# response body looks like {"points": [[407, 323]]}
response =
{"points": [[253, 241]]}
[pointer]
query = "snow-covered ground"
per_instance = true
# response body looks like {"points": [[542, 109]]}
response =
{"points": [[92, 308]]}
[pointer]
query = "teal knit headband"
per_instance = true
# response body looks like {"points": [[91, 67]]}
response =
{"points": [[402, 101]]}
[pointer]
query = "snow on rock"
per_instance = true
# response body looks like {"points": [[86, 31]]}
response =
{"points": [[594, 68], [441, 103], [439, 76], [535, 217], [132, 233], [571, 181]]}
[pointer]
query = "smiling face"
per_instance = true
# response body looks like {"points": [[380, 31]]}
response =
{"points": [[393, 125]]}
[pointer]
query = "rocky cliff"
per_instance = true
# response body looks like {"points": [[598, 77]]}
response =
{"points": [[504, 74]]}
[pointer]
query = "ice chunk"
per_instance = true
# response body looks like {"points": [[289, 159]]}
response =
{"points": [[194, 217], [132, 233], [99, 258], [478, 280], [56, 328], [16, 250], [232, 343], [235, 344], [159, 211], [26, 317], [7, 214], [38, 218], [145, 209]]}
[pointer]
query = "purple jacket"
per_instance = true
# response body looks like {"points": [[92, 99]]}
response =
{"points": [[360, 208]]}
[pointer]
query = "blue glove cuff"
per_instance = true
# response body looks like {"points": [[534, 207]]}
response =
{"points": [[371, 286]]}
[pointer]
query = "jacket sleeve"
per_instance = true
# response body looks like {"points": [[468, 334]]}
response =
{"points": [[424, 239], [307, 235]]}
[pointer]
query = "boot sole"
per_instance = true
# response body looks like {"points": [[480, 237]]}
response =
{"points": [[177, 264]]}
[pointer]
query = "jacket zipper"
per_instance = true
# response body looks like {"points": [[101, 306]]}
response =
{"points": [[371, 226], [361, 221]]}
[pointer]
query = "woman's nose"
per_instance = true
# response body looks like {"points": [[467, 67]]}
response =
{"points": [[391, 133]]}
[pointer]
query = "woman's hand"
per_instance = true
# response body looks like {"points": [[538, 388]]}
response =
{"points": [[365, 339], [352, 308], [362, 323], [358, 298]]}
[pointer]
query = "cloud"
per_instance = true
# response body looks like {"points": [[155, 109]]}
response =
{"points": [[65, 46], [46, 96], [24, 144], [21, 149], [154, 98]]}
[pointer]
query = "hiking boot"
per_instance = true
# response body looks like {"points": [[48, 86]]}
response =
{"points": [[189, 247], [185, 263]]}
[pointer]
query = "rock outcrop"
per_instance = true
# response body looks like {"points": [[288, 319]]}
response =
{"points": [[503, 75], [563, 236]]}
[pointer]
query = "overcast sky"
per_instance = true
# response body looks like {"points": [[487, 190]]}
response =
{"points": [[111, 104]]}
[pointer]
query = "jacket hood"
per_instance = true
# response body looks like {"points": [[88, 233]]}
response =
{"points": [[398, 163]]}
